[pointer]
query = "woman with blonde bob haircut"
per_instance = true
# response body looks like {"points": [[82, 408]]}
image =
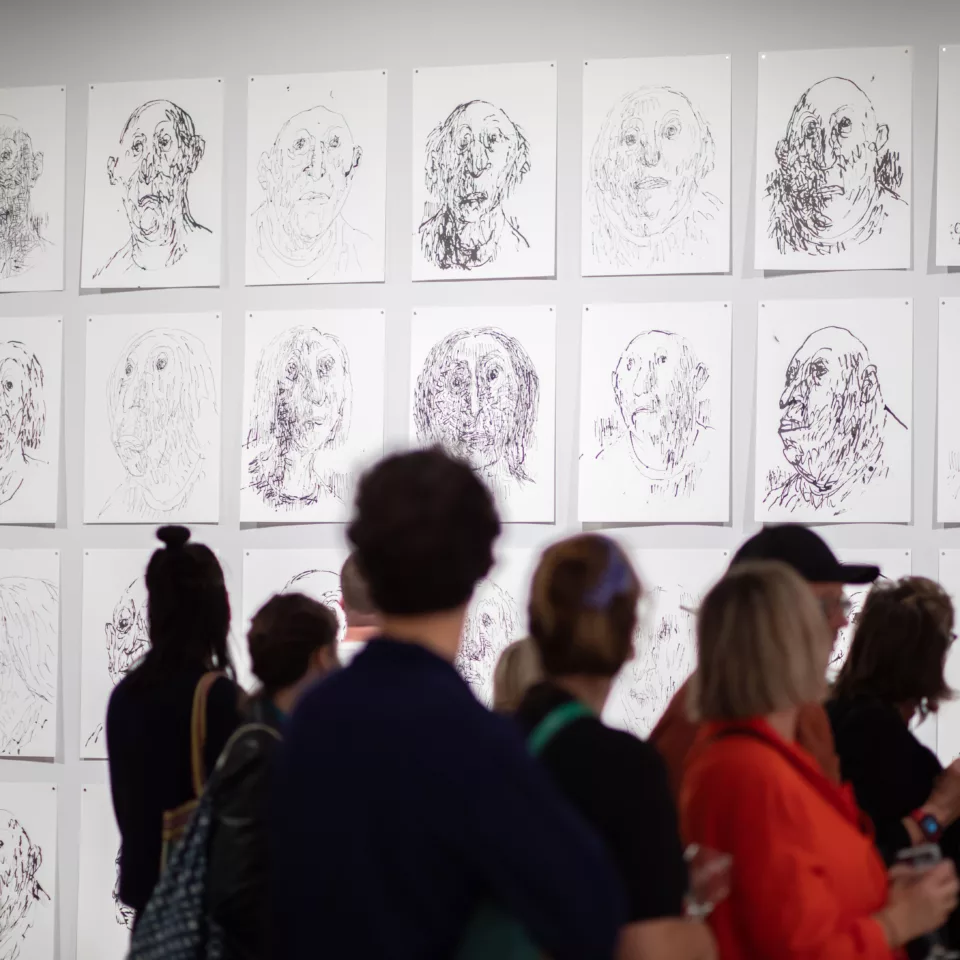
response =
{"points": [[583, 618], [807, 882]]}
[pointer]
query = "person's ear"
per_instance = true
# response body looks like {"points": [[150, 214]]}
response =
{"points": [[112, 170], [781, 151], [194, 152], [357, 154], [37, 167], [869, 385], [264, 173], [883, 136], [700, 377]]}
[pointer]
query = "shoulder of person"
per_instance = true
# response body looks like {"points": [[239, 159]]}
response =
{"points": [[865, 716], [250, 746]]}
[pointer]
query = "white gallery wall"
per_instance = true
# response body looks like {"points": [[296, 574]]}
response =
{"points": [[76, 44]]}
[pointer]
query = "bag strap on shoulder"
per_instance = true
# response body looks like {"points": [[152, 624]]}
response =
{"points": [[198, 730], [555, 721]]}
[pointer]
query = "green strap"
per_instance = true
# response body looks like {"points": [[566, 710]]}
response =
{"points": [[554, 722]]}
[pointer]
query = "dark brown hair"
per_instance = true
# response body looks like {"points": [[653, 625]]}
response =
{"points": [[284, 634], [354, 590], [583, 607], [900, 645]]}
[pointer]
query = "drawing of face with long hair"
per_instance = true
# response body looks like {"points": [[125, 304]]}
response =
{"points": [[324, 587], [20, 891], [657, 384], [492, 622], [22, 410], [475, 158], [831, 407], [652, 153], [477, 396], [308, 173], [159, 151], [830, 156], [20, 168], [158, 396], [127, 635]]}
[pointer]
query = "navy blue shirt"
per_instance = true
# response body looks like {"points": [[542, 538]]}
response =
{"points": [[402, 803]]}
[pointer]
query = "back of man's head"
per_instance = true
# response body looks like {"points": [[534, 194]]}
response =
{"points": [[358, 606], [423, 532]]}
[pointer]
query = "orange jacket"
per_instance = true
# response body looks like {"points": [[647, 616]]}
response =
{"points": [[806, 877], [674, 734]]}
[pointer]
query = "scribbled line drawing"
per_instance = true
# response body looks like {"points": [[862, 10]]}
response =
{"points": [[835, 181], [23, 416], [126, 639], [28, 655], [645, 192], [20, 891], [162, 410], [665, 656], [324, 587], [662, 414], [306, 177], [492, 622], [478, 396], [845, 637], [123, 914], [475, 160], [302, 401], [22, 229], [833, 425], [160, 150]]}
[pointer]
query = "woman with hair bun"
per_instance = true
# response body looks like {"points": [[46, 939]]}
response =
{"points": [[171, 715]]}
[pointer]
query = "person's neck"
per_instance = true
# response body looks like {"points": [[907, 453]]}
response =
{"points": [[480, 235], [173, 481], [437, 632], [361, 621], [286, 699], [163, 250], [293, 245], [652, 461], [784, 722], [300, 480], [589, 690]]}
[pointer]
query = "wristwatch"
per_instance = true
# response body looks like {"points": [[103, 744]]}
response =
{"points": [[928, 824]]}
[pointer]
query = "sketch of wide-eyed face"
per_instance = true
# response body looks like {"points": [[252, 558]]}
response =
{"points": [[158, 398], [127, 637], [324, 587], [492, 622], [19, 864], [309, 171], [20, 167], [831, 406], [474, 160], [649, 159], [657, 384], [22, 410], [830, 154], [159, 150]]}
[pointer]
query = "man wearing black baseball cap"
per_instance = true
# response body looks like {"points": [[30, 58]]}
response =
{"points": [[800, 548]]}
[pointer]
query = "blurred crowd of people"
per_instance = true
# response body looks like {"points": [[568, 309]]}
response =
{"points": [[363, 803]]}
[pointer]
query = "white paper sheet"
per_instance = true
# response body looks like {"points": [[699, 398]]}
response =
{"points": [[316, 178], [655, 413], [948, 143], [315, 573], [154, 185], [834, 411], [656, 166], [113, 635], [484, 171], [483, 385], [29, 652], [834, 159], [28, 864], [948, 403], [32, 185], [103, 923], [312, 412], [152, 435], [497, 616], [666, 642], [30, 371], [948, 715]]}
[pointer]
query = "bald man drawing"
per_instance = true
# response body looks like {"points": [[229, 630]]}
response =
{"points": [[300, 232]]}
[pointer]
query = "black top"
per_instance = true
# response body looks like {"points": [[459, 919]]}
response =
{"points": [[619, 784], [148, 743], [401, 804]]}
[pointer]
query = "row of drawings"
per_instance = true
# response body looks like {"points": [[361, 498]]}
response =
{"points": [[834, 172]]}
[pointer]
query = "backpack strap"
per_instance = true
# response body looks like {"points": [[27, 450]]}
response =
{"points": [[555, 721], [198, 730]]}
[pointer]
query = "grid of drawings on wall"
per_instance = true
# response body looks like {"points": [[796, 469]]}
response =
{"points": [[28, 866], [152, 417], [665, 647], [33, 139], [834, 159], [103, 922], [834, 411], [312, 412], [655, 412], [29, 652]]}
